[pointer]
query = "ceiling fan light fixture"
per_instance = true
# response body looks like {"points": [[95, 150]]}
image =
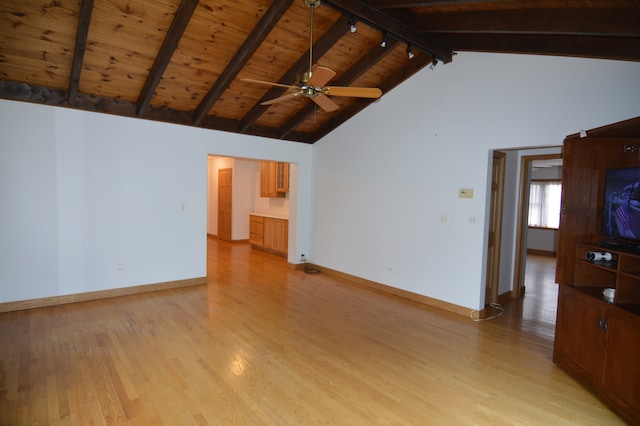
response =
{"points": [[312, 84], [352, 24], [410, 53]]}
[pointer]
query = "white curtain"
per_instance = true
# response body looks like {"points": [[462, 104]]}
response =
{"points": [[544, 204]]}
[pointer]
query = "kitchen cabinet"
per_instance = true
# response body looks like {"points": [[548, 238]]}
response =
{"points": [[269, 233], [274, 179]]}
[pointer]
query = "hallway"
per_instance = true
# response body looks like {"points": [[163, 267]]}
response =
{"points": [[535, 313]]}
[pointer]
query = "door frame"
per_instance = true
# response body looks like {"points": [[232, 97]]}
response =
{"points": [[494, 243], [518, 288]]}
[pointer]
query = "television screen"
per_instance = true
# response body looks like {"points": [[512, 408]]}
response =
{"points": [[621, 210]]}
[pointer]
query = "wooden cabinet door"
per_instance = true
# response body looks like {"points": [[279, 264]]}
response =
{"points": [[268, 179], [264, 178], [578, 203], [585, 162], [621, 374], [579, 336], [269, 233], [274, 179], [282, 176], [256, 230], [280, 235]]}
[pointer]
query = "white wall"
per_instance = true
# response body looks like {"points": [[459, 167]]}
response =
{"points": [[384, 180], [86, 194], [244, 174], [93, 201], [542, 239]]}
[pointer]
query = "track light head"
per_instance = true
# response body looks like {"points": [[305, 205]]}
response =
{"points": [[410, 53], [434, 62], [352, 25], [383, 43]]}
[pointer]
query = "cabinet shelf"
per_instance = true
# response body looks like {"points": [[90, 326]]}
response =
{"points": [[622, 272], [605, 266]]}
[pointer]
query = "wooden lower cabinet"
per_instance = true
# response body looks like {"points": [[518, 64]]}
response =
{"points": [[256, 230], [269, 234], [599, 344]]}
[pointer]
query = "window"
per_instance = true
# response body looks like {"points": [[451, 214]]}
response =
{"points": [[544, 203]]}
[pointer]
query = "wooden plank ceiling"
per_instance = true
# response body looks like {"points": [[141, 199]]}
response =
{"points": [[183, 61]]}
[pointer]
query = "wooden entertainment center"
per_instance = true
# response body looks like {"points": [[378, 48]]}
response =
{"points": [[597, 337]]}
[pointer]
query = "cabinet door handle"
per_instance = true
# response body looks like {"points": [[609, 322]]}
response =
{"points": [[605, 326], [600, 323]]}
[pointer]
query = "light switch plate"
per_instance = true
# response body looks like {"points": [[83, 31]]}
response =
{"points": [[465, 193]]}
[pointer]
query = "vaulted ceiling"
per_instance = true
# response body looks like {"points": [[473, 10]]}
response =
{"points": [[187, 61]]}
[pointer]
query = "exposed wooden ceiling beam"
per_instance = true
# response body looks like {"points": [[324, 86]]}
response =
{"points": [[248, 48], [392, 26], [393, 4], [352, 74], [78, 52], [618, 48], [178, 25], [583, 21], [320, 47]]}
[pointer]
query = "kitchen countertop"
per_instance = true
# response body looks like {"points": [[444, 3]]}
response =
{"points": [[271, 215]]}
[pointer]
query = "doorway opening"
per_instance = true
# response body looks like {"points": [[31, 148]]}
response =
{"points": [[507, 237], [528, 167], [234, 193]]}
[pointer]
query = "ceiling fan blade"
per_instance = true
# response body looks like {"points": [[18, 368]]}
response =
{"points": [[354, 92], [268, 83], [325, 103], [321, 76], [281, 98]]}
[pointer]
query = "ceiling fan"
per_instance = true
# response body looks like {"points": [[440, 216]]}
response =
{"points": [[312, 83]]}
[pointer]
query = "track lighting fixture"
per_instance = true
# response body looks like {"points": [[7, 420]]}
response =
{"points": [[383, 43], [434, 62], [352, 24], [410, 53]]}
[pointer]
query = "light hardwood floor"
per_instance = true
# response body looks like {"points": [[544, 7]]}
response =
{"points": [[265, 344]]}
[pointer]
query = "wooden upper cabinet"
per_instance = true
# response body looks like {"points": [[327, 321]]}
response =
{"points": [[579, 204], [274, 179], [282, 176], [585, 162]]}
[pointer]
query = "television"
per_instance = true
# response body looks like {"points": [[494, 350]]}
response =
{"points": [[621, 207]]}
